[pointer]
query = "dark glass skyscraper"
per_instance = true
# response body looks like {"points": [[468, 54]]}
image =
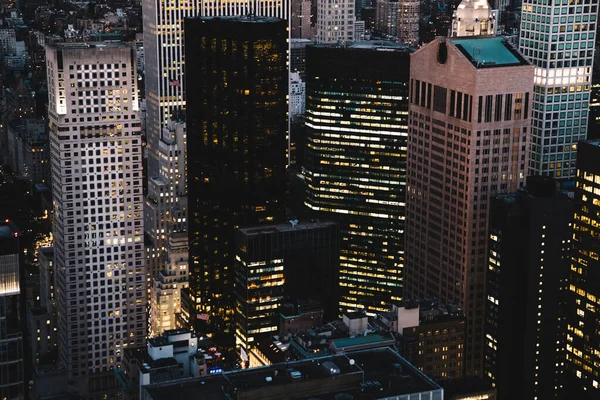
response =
{"points": [[236, 76], [278, 262], [582, 366], [529, 246], [356, 119]]}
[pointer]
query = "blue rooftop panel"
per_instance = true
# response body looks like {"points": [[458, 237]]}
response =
{"points": [[489, 52]]}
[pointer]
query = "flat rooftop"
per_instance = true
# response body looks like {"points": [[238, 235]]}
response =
{"points": [[486, 52], [364, 375], [290, 226]]}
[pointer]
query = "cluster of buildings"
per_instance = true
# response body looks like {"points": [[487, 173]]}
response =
{"points": [[364, 213]]}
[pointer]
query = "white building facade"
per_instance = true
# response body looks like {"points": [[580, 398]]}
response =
{"points": [[473, 18], [96, 160], [335, 21], [559, 40]]}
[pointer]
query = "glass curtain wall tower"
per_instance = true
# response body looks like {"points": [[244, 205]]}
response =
{"points": [[355, 170], [558, 37]]}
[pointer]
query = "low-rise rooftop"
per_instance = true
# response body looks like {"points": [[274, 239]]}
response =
{"points": [[362, 375]]}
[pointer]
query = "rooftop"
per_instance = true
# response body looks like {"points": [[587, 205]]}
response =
{"points": [[360, 374], [362, 341], [290, 226], [486, 52]]}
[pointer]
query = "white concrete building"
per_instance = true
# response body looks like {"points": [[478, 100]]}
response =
{"points": [[297, 95], [562, 49], [165, 293], [96, 160], [473, 18], [335, 21]]}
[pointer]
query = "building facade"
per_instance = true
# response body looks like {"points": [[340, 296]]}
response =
{"points": [[167, 286], [408, 22], [355, 166], [583, 302], [469, 131], [96, 160], [12, 332], [562, 49], [279, 262], [335, 21], [164, 56], [530, 236], [237, 124], [473, 18]]}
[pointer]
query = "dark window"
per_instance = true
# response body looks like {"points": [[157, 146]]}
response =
{"points": [[526, 110], [459, 104], [452, 102], [439, 99], [488, 108], [466, 115], [417, 92], [508, 108], [423, 95], [429, 93], [479, 109], [498, 108]]}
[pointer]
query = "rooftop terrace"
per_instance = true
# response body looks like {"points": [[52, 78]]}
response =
{"points": [[486, 52]]}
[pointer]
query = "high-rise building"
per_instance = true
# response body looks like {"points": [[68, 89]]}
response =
{"points": [[164, 56], [275, 262], [167, 286], [468, 140], [583, 302], [301, 27], [408, 22], [386, 17], [355, 167], [527, 269], [12, 374], [237, 124], [335, 21], [562, 49], [473, 18], [165, 211], [96, 160]]}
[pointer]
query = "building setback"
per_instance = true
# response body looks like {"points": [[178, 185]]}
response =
{"points": [[237, 126], [527, 269], [96, 160], [583, 302], [278, 262], [469, 131], [559, 39], [355, 165]]}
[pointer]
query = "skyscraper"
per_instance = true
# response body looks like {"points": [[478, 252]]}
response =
{"points": [[355, 168], [527, 269], [335, 21], [97, 194], [12, 377], [559, 38], [275, 262], [408, 22], [237, 124], [164, 55], [583, 304], [468, 140]]}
